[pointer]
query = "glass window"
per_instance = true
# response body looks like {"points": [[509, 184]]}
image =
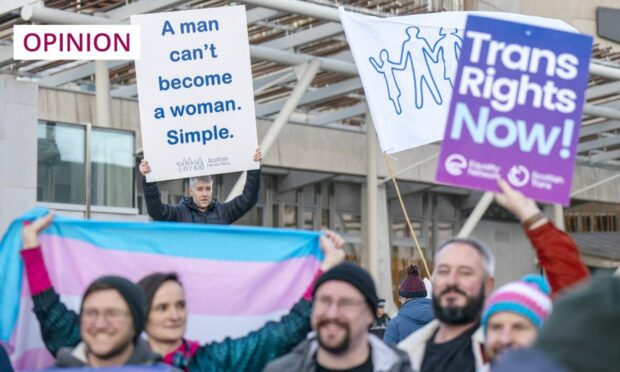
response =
{"points": [[60, 163], [112, 168], [254, 217], [290, 216], [400, 229], [325, 220], [308, 223], [275, 215], [348, 223]]}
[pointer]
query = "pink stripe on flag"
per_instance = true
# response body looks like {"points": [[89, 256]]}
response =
{"points": [[212, 287], [34, 359]]}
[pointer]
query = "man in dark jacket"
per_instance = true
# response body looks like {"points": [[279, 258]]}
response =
{"points": [[416, 310], [200, 207], [344, 307]]}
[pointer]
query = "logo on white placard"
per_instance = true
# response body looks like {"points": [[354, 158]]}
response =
{"points": [[518, 175], [456, 164]]}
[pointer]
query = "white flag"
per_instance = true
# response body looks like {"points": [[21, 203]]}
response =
{"points": [[407, 66]]}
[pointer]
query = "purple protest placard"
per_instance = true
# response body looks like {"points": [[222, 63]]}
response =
{"points": [[516, 109]]}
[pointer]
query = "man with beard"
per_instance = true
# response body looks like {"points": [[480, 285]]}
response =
{"points": [[344, 308], [462, 279], [111, 320]]}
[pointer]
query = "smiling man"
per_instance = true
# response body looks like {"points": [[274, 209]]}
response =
{"points": [[514, 313], [462, 279], [111, 320], [343, 309]]}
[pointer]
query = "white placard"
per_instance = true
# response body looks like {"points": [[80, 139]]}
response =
{"points": [[407, 65], [195, 89]]}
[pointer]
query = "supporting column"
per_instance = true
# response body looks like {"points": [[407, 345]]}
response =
{"points": [[384, 252], [102, 86], [476, 215], [103, 110], [19, 105], [371, 195], [558, 216], [281, 119]]}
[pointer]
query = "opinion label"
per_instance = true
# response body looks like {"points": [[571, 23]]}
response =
{"points": [[76, 42]]}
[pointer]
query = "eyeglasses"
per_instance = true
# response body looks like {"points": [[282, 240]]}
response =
{"points": [[110, 316], [345, 304]]}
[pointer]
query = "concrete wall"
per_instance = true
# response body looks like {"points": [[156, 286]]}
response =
{"points": [[514, 255], [18, 149]]}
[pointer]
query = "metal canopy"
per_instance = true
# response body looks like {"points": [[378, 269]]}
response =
{"points": [[285, 33]]}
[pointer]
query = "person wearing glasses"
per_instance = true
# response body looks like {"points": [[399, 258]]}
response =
{"points": [[344, 308], [117, 322]]}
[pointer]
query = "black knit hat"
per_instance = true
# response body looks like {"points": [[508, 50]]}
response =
{"points": [[582, 331], [412, 286], [357, 277], [131, 293]]}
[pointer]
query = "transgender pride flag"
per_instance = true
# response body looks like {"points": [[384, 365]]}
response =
{"points": [[235, 278]]}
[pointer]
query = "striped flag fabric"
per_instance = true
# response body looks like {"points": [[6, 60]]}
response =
{"points": [[235, 278]]}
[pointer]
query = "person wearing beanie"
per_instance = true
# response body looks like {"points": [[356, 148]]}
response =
{"points": [[157, 306], [416, 310], [579, 336], [344, 308], [514, 314], [112, 318]]}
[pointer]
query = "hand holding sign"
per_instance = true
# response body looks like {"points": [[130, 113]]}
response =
{"points": [[145, 168], [520, 205], [258, 155]]}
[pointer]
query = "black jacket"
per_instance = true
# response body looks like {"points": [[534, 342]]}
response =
{"points": [[216, 213]]}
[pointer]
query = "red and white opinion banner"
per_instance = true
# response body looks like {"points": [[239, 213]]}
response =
{"points": [[76, 42]]}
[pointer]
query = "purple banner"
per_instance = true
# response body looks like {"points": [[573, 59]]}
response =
{"points": [[516, 109]]}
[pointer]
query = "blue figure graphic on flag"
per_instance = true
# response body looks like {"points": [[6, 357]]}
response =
{"points": [[390, 80], [449, 47], [445, 50]]}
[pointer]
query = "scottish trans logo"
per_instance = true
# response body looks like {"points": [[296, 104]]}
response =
{"points": [[426, 64]]}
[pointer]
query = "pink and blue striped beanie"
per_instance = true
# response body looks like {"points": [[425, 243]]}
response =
{"points": [[528, 297]]}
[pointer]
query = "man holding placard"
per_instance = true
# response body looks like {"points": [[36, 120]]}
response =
{"points": [[199, 206], [197, 114]]}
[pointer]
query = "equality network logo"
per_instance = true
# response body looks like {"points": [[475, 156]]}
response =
{"points": [[427, 61]]}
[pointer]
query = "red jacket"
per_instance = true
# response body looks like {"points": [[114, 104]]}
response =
{"points": [[559, 257]]}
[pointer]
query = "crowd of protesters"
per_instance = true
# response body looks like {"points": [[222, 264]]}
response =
{"points": [[562, 321]]}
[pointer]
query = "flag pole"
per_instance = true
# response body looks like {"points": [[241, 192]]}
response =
{"points": [[402, 205]]}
